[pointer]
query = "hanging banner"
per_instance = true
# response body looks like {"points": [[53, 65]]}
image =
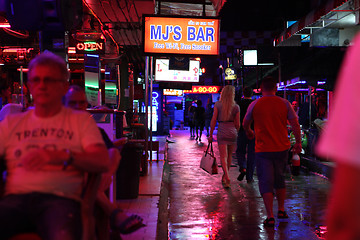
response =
{"points": [[177, 35]]}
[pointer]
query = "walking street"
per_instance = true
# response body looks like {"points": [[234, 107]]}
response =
{"points": [[201, 208]]}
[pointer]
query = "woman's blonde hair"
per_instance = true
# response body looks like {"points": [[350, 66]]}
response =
{"points": [[227, 99]]}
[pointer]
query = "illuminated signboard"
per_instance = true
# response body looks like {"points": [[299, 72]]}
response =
{"points": [[93, 47], [177, 35], [172, 92], [162, 72], [110, 92], [155, 108], [230, 74], [250, 57], [203, 89], [92, 75]]}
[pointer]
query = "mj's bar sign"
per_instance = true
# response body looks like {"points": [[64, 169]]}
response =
{"points": [[183, 36]]}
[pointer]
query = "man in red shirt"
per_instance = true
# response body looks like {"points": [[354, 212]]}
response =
{"points": [[270, 115]]}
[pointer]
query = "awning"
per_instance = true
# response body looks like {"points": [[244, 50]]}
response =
{"points": [[335, 14]]}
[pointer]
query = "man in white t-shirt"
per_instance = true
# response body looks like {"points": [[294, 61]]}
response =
{"points": [[47, 150], [340, 142]]}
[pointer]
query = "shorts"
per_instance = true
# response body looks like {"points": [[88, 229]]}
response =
{"points": [[200, 126], [270, 168]]}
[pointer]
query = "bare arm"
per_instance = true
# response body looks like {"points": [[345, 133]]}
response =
{"points": [[237, 121], [247, 127], [295, 127], [343, 207], [114, 155], [94, 158], [213, 123]]}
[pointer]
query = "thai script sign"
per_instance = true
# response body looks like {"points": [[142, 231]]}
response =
{"points": [[172, 92], [175, 35], [162, 72]]}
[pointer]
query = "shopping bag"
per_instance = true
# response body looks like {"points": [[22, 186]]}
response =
{"points": [[208, 161]]}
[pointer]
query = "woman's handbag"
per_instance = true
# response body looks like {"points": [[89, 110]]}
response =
{"points": [[208, 161]]}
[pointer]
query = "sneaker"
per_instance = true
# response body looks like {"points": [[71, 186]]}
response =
{"points": [[242, 174]]}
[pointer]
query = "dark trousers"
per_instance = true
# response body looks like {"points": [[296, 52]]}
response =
{"points": [[50, 216], [245, 154]]}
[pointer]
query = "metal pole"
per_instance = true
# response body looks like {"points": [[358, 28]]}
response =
{"points": [[310, 100], [22, 86], [119, 85], [146, 106], [151, 109], [279, 78], [328, 105]]}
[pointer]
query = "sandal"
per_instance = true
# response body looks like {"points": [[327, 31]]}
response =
{"points": [[269, 222], [282, 214], [129, 225], [226, 184], [223, 181]]}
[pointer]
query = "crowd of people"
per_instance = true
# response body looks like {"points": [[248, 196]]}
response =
{"points": [[199, 118], [258, 132]]}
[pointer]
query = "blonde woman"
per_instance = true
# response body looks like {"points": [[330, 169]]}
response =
{"points": [[227, 114]]}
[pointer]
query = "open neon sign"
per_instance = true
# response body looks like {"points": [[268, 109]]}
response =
{"points": [[93, 47]]}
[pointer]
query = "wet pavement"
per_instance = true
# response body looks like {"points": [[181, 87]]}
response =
{"points": [[201, 208]]}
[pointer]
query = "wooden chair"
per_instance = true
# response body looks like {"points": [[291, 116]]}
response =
{"points": [[87, 207]]}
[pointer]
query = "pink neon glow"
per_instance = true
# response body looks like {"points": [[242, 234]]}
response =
{"points": [[5, 25]]}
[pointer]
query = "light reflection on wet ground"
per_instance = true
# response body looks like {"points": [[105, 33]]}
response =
{"points": [[200, 208]]}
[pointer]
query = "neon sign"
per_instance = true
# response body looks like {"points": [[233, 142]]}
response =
{"points": [[172, 92], [93, 47], [155, 102], [162, 72], [203, 89], [155, 107], [175, 35]]}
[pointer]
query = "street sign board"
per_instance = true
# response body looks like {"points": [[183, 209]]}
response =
{"points": [[181, 35]]}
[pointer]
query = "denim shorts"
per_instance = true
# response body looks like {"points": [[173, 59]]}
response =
{"points": [[270, 168], [50, 216]]}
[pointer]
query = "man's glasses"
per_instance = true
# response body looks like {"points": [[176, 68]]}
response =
{"points": [[46, 80]]}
